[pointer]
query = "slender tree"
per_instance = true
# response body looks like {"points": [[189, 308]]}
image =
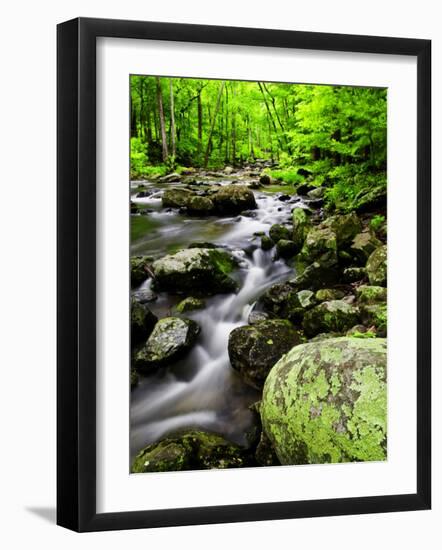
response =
{"points": [[162, 121]]}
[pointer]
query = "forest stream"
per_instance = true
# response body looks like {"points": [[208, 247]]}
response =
{"points": [[202, 390]]}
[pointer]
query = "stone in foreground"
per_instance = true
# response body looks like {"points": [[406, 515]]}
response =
{"points": [[193, 450], [253, 350], [326, 402], [203, 270], [171, 338]]}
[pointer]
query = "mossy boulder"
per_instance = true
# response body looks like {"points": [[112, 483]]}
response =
{"points": [[327, 294], [375, 315], [265, 179], [367, 294], [176, 197], [194, 450], [286, 249], [301, 226], [170, 340], [253, 350], [363, 245], [278, 232], [233, 199], [285, 301], [142, 322], [333, 316], [377, 267], [345, 227], [139, 269], [319, 246], [201, 206], [266, 243], [205, 270], [190, 304], [326, 402]]}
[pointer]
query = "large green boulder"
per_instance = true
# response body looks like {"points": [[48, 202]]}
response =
{"points": [[301, 226], [278, 232], [363, 245], [319, 246], [286, 249], [377, 267], [203, 270], [285, 301], [326, 402], [142, 322], [176, 197], [194, 450], [233, 199], [170, 340], [253, 350], [201, 206], [333, 316], [345, 227]]}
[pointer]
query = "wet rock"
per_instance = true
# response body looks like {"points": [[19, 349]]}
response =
{"points": [[194, 450], [371, 199], [170, 178], [286, 248], [253, 350], [176, 197], [301, 226], [371, 294], [327, 294], [265, 454], [233, 199], [190, 304], [170, 339], [319, 246], [265, 179], [202, 244], [285, 301], [278, 232], [326, 402], [363, 245], [228, 170], [134, 379], [200, 206], [144, 296], [377, 266], [333, 316], [205, 270], [284, 198], [345, 227], [316, 276], [266, 243], [139, 269], [142, 322], [304, 188], [256, 317]]}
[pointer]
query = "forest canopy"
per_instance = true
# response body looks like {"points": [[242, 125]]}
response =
{"points": [[336, 134]]}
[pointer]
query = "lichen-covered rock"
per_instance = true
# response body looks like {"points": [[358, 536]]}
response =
{"points": [[253, 350], [333, 316], [139, 269], [315, 275], [301, 226], [326, 402], [319, 246], [285, 301], [354, 274], [345, 227], [278, 232], [363, 245], [266, 243], [367, 294], [176, 197], [190, 304], [375, 315], [142, 322], [194, 450], [199, 205], [286, 249], [170, 339], [195, 269], [377, 267], [256, 317], [233, 199], [327, 294]]}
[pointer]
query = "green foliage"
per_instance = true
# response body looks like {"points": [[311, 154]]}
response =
{"points": [[376, 222], [287, 175]]}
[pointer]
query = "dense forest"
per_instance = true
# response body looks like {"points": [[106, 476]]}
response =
{"points": [[258, 274], [337, 134]]}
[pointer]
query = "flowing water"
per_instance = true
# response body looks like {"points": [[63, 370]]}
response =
{"points": [[202, 390]]}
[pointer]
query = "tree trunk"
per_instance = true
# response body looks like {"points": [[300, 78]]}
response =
{"points": [[270, 115], [172, 120], [162, 121], [212, 126], [200, 126]]}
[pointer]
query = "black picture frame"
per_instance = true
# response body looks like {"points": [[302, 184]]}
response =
{"points": [[76, 274]]}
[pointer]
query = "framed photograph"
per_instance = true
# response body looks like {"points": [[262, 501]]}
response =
{"points": [[243, 274]]}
